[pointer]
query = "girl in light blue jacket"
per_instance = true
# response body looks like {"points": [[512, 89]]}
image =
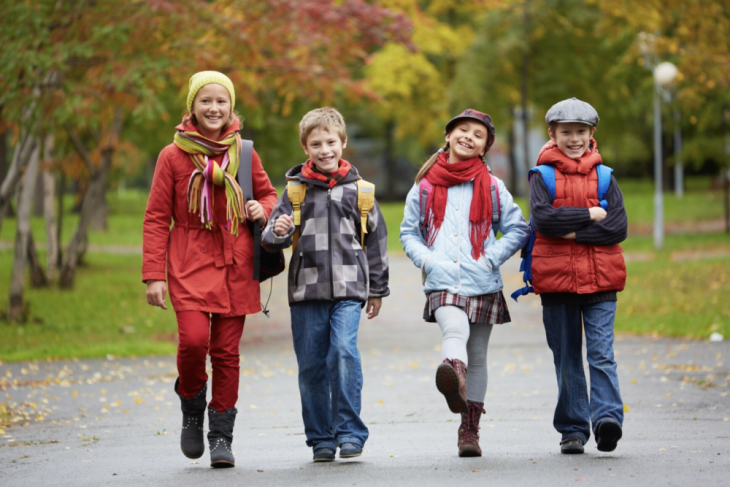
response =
{"points": [[452, 216]]}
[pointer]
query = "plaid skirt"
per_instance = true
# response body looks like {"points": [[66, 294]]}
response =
{"points": [[487, 308]]}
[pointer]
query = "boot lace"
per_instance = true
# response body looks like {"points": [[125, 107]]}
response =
{"points": [[471, 431]]}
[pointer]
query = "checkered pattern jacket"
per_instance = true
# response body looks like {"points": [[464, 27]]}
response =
{"points": [[328, 262]]}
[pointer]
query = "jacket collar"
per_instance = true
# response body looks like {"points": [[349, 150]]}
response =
{"points": [[550, 154]]}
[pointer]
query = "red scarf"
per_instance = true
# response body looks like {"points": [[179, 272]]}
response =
{"points": [[310, 171], [444, 175]]}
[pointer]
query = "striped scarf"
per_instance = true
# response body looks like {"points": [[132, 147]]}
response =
{"points": [[310, 171], [208, 174]]}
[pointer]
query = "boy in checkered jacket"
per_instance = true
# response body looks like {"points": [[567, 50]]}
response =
{"points": [[331, 276]]}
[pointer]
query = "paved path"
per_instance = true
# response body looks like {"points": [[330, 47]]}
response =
{"points": [[116, 422]]}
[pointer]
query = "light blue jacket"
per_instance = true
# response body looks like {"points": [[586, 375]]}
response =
{"points": [[448, 264]]}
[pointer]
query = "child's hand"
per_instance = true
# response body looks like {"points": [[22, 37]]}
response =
{"points": [[373, 307], [597, 213], [254, 211], [569, 236], [282, 225], [156, 291]]}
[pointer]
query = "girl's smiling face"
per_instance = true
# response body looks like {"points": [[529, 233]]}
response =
{"points": [[467, 140], [212, 110]]}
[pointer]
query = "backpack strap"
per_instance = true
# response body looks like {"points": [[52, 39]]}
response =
{"points": [[604, 180], [425, 190], [365, 203], [496, 207], [548, 177], [245, 181], [296, 191]]}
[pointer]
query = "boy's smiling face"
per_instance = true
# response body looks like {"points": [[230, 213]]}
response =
{"points": [[572, 138], [324, 148]]}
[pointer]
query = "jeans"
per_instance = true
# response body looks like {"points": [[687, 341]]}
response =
{"points": [[201, 334], [575, 410], [330, 372]]}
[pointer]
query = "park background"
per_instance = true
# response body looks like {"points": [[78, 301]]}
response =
{"points": [[91, 91]]}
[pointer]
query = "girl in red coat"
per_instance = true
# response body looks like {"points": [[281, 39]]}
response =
{"points": [[206, 258]]}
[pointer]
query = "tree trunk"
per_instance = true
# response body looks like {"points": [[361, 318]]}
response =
{"points": [[521, 186], [390, 169], [26, 146], [38, 191], [91, 198], [101, 211], [22, 238], [59, 227], [3, 154], [49, 190], [37, 275]]}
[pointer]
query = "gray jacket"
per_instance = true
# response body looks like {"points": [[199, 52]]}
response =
{"points": [[328, 262]]}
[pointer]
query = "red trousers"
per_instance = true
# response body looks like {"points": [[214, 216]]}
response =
{"points": [[201, 333]]}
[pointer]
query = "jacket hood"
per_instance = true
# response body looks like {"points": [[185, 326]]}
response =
{"points": [[295, 174], [552, 155]]}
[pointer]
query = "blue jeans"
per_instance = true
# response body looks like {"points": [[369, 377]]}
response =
{"points": [[575, 411], [330, 372]]}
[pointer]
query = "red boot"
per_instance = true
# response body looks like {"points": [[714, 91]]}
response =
{"points": [[451, 382], [469, 430]]}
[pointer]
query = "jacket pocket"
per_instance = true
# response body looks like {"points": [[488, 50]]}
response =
{"points": [[299, 268], [552, 268], [610, 266]]}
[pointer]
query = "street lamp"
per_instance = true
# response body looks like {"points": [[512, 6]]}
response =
{"points": [[664, 75]]}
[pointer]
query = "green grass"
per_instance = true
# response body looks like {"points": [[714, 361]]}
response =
{"points": [[92, 320], [686, 299], [96, 318]]}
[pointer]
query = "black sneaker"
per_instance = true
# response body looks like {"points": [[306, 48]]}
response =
{"points": [[571, 446], [350, 450], [608, 432], [324, 454]]}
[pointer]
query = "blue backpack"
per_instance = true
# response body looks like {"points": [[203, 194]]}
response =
{"points": [[548, 176]]}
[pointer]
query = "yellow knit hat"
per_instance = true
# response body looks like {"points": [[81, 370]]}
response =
{"points": [[198, 80]]}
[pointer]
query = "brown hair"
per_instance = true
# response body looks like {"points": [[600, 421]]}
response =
{"points": [[190, 117], [325, 118]]}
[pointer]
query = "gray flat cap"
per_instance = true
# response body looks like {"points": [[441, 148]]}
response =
{"points": [[572, 110]]}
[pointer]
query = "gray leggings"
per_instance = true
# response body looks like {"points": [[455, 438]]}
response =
{"points": [[468, 343]]}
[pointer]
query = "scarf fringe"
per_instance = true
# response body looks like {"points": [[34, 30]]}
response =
{"points": [[208, 174]]}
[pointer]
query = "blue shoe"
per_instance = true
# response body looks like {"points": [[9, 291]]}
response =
{"points": [[324, 454], [350, 450], [608, 432]]}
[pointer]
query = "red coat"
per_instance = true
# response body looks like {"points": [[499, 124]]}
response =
{"points": [[566, 266], [207, 270]]}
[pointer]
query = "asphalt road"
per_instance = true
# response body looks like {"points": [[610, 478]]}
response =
{"points": [[117, 421]]}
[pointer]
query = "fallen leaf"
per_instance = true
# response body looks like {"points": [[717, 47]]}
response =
{"points": [[626, 408], [138, 400], [580, 479]]}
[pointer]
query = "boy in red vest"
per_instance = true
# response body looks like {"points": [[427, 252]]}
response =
{"points": [[577, 270]]}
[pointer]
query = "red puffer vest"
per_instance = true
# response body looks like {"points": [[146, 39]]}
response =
{"points": [[566, 266]]}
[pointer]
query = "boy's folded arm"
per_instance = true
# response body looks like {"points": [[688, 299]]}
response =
{"points": [[410, 235], [614, 228], [376, 242], [550, 221], [270, 240]]}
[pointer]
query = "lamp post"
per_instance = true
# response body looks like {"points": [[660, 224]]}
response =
{"points": [[664, 75]]}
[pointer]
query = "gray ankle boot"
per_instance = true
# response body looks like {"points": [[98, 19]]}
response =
{"points": [[193, 409], [220, 437]]}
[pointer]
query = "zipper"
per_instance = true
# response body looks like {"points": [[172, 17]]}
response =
{"points": [[329, 242], [299, 267]]}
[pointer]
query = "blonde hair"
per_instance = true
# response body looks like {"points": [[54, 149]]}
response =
{"points": [[325, 118], [432, 160]]}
